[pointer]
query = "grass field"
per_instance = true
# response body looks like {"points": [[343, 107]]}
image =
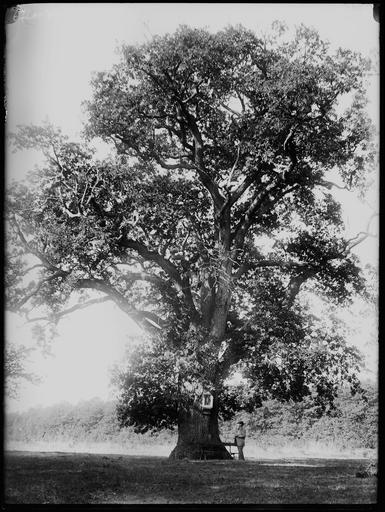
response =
{"points": [[43, 477]]}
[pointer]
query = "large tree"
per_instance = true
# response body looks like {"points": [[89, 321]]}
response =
{"points": [[206, 223]]}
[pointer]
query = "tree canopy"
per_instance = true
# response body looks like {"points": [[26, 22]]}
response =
{"points": [[210, 217]]}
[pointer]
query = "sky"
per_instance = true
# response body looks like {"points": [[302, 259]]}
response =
{"points": [[51, 52]]}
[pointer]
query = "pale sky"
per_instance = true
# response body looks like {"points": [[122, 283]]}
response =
{"points": [[51, 52]]}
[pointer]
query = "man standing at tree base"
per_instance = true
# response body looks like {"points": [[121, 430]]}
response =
{"points": [[240, 436]]}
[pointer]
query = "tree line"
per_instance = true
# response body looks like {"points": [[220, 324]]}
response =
{"points": [[351, 425]]}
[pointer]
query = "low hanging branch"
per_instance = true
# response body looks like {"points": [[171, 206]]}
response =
{"points": [[143, 318], [57, 315]]}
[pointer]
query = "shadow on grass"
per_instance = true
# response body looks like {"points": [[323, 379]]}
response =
{"points": [[70, 478]]}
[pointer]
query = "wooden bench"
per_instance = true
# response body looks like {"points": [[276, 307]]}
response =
{"points": [[229, 447], [206, 451]]}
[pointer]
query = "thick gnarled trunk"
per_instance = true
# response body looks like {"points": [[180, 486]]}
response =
{"points": [[198, 432], [198, 436]]}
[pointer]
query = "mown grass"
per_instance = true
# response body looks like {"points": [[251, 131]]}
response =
{"points": [[33, 477]]}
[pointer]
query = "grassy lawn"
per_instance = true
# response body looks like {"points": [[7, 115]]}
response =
{"points": [[54, 477]]}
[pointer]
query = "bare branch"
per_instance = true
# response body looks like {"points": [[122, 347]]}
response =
{"points": [[239, 191], [330, 184], [361, 236], [70, 310], [145, 319], [241, 101], [234, 112], [234, 166], [375, 214]]}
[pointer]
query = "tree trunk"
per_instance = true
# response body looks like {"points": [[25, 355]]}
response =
{"points": [[198, 432], [198, 436]]}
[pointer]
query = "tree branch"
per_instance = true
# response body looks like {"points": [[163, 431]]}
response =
{"points": [[245, 267], [295, 284], [166, 265], [239, 191], [191, 123], [38, 265], [330, 184], [289, 149], [234, 166], [247, 220], [255, 205], [70, 310], [31, 249], [241, 100], [179, 165], [24, 300], [143, 276], [361, 236], [195, 93], [234, 112], [146, 319], [182, 284]]}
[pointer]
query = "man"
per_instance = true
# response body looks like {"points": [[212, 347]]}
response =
{"points": [[240, 436]]}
